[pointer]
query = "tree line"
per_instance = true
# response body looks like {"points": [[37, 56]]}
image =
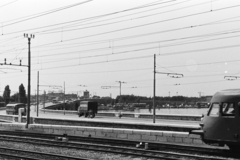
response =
{"points": [[126, 99], [19, 97], [142, 99]]}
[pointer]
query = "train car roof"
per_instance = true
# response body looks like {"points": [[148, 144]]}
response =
{"points": [[228, 95]]}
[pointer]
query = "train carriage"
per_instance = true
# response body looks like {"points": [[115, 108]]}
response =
{"points": [[221, 125]]}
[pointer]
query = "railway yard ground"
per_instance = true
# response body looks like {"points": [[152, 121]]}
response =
{"points": [[50, 146], [55, 136]]}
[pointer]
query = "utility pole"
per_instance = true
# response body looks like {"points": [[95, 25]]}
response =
{"points": [[44, 101], [64, 98], [44, 92], [29, 37], [120, 82], [154, 86], [172, 75], [37, 92], [35, 101]]}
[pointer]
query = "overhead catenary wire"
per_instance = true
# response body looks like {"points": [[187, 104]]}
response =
{"points": [[161, 78], [215, 48], [168, 40], [141, 57], [166, 54], [62, 8], [185, 65], [167, 67], [9, 39], [151, 52], [8, 4], [43, 14], [123, 29], [82, 23], [110, 23], [103, 41], [144, 49], [153, 42]]}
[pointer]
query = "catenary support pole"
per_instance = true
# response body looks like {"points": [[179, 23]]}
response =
{"points": [[44, 101], [154, 86], [37, 93], [64, 98], [29, 83]]}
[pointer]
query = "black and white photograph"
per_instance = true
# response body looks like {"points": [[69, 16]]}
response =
{"points": [[119, 79]]}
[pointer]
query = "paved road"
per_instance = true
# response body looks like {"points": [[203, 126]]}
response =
{"points": [[33, 113]]}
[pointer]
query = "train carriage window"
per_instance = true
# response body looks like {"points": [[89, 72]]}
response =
{"points": [[214, 110], [228, 109]]}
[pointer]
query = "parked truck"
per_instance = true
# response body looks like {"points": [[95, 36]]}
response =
{"points": [[12, 108], [88, 109]]}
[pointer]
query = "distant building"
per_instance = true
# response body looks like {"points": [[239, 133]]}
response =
{"points": [[70, 96], [86, 94], [52, 95]]}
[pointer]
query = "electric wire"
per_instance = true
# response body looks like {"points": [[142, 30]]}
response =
{"points": [[85, 19], [96, 42], [50, 12], [148, 56], [91, 72], [206, 63], [114, 18], [192, 50], [137, 26], [8, 3], [155, 42], [144, 49], [222, 46], [131, 19]]}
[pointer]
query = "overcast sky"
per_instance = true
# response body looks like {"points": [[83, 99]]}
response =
{"points": [[97, 43]]}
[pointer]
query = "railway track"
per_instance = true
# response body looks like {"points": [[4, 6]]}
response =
{"points": [[11, 153], [161, 151]]}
